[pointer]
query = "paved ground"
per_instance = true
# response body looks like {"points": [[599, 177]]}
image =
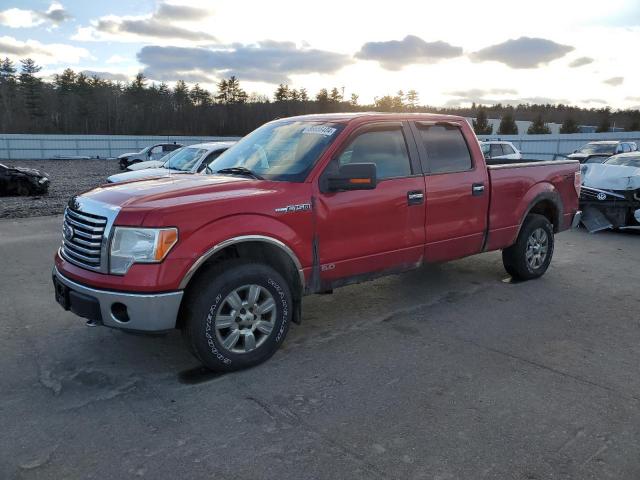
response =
{"points": [[68, 177], [444, 373]]}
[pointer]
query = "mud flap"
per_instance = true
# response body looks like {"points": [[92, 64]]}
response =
{"points": [[594, 220]]}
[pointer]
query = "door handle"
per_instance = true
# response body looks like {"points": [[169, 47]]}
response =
{"points": [[477, 189], [415, 197]]}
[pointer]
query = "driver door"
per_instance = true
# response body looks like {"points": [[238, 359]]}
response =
{"points": [[364, 232]]}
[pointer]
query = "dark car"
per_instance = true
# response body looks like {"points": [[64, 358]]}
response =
{"points": [[598, 152], [22, 181]]}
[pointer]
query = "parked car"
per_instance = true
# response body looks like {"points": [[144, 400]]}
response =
{"points": [[22, 181], [302, 205], [191, 159], [500, 150], [610, 194], [597, 152], [152, 163], [153, 152]]}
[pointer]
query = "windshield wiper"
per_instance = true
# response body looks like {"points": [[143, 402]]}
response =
{"points": [[239, 171]]}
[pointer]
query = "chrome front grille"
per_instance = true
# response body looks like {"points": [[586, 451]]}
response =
{"points": [[82, 238]]}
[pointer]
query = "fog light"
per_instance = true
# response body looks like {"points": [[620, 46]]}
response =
{"points": [[119, 312]]}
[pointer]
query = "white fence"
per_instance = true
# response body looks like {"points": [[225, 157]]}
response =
{"points": [[551, 147], [26, 146]]}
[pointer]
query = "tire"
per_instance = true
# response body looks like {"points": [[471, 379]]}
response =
{"points": [[211, 320], [531, 255]]}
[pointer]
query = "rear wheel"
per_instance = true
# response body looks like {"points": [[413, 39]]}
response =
{"points": [[531, 255], [237, 315]]}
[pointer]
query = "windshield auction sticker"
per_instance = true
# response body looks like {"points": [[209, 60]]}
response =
{"points": [[320, 130]]}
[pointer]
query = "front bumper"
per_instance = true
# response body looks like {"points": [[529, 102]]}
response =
{"points": [[155, 312]]}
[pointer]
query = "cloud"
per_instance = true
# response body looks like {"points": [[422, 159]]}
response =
{"points": [[580, 62], [396, 54], [45, 54], [478, 95], [181, 12], [115, 77], [268, 61], [20, 18], [524, 52], [157, 25], [594, 100], [614, 81], [633, 99]]}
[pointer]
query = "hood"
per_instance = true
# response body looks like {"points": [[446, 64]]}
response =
{"points": [[178, 191], [144, 174], [127, 154], [32, 172], [147, 164], [577, 156], [611, 177]]}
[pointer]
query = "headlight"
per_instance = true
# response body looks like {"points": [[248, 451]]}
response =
{"points": [[139, 245], [43, 180]]}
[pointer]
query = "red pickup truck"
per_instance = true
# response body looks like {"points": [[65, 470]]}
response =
{"points": [[300, 206]]}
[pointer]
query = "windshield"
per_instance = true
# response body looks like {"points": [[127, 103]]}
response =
{"points": [[184, 159], [282, 151], [593, 148], [631, 161], [485, 148]]}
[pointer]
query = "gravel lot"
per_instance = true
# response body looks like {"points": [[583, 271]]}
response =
{"points": [[448, 372], [68, 177]]}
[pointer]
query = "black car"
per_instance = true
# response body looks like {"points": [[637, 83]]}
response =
{"points": [[22, 181]]}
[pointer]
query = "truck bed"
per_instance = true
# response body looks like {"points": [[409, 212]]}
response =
{"points": [[515, 186]]}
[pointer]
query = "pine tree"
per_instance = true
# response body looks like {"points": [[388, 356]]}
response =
{"points": [[354, 100], [236, 93], [304, 96], [223, 92], [31, 87], [322, 96], [7, 93], [282, 93], [569, 125], [294, 95], [335, 96], [412, 99], [508, 125], [538, 127], [481, 125]]}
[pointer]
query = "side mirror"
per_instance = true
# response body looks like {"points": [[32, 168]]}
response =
{"points": [[575, 151], [353, 176]]}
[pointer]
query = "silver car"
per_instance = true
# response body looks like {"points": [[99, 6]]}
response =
{"points": [[191, 159]]}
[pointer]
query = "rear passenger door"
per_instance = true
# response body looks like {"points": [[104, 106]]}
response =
{"points": [[366, 231], [457, 192]]}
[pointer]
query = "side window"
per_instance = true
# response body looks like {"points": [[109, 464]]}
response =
{"points": [[386, 148], [626, 148], [507, 149], [496, 150], [210, 158], [446, 148], [169, 148]]}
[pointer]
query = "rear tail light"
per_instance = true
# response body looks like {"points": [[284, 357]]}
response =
{"points": [[577, 182]]}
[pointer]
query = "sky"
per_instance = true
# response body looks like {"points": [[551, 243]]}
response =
{"points": [[452, 53]]}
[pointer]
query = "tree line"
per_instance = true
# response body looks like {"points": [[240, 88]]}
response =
{"points": [[75, 103]]}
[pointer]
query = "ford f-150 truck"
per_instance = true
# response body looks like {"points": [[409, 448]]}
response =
{"points": [[302, 205]]}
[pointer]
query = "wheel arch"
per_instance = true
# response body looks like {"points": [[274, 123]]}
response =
{"points": [[549, 205], [261, 248]]}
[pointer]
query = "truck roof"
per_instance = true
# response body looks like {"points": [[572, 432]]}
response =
{"points": [[349, 116]]}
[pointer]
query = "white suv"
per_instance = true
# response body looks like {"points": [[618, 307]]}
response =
{"points": [[500, 150]]}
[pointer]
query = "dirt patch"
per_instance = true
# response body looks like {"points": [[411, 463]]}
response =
{"points": [[68, 177]]}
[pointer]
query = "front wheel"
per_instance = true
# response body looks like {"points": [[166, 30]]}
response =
{"points": [[237, 315], [531, 255]]}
